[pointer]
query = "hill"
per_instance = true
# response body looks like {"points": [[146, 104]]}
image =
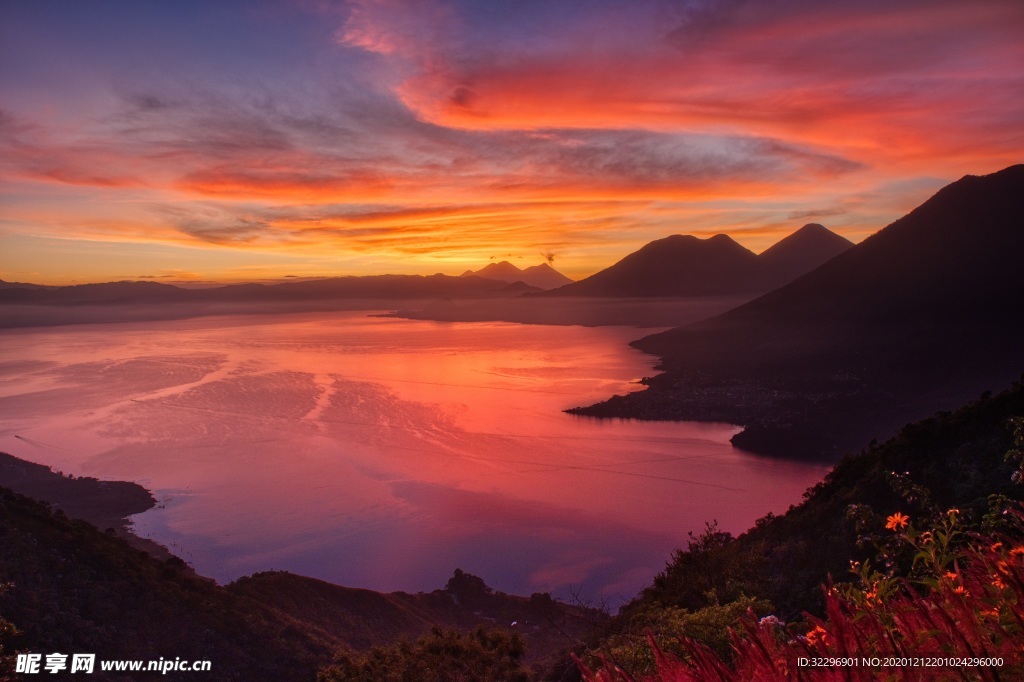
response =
{"points": [[799, 253], [951, 460], [371, 286], [544, 276], [918, 317], [361, 619], [374, 286], [923, 524], [31, 305], [19, 285], [684, 265], [71, 588], [105, 504], [674, 266], [541, 276]]}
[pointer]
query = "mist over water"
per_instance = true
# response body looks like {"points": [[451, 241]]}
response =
{"points": [[383, 453]]}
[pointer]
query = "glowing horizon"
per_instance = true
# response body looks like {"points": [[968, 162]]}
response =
{"points": [[239, 141]]}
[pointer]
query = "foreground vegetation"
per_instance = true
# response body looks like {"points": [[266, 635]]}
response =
{"points": [[914, 548], [441, 656], [958, 613]]}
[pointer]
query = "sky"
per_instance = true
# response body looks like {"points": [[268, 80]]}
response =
{"points": [[229, 141]]}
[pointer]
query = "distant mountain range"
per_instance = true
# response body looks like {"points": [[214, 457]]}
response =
{"points": [[921, 316], [684, 265], [673, 266], [542, 276], [377, 286]]}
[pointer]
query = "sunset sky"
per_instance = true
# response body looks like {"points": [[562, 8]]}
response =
{"points": [[231, 140]]}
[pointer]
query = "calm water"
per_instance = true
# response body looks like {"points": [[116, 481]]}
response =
{"points": [[383, 453]]}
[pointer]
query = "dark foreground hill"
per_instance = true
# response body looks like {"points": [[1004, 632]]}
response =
{"points": [[684, 265], [105, 504], [873, 546], [922, 316], [69, 588], [73, 589], [360, 619], [951, 460]]}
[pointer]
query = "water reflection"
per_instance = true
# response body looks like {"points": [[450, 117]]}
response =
{"points": [[383, 453]]}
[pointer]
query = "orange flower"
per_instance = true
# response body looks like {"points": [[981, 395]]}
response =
{"points": [[960, 589], [817, 636], [896, 522], [1017, 551]]}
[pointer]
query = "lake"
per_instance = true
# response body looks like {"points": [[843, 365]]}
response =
{"points": [[384, 453]]}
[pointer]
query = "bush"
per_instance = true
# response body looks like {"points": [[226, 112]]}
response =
{"points": [[668, 628], [441, 656]]}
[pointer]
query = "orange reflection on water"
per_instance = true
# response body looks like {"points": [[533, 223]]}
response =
{"points": [[383, 453]]}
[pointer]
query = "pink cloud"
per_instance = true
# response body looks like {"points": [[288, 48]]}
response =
{"points": [[886, 83]]}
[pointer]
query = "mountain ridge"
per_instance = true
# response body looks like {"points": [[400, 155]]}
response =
{"points": [[685, 265], [809, 247], [541, 276], [71, 586], [915, 318]]}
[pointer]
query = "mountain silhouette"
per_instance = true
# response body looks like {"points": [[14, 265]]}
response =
{"points": [[799, 253], [331, 288], [684, 265], [503, 271], [544, 276], [19, 285], [541, 276], [919, 317], [30, 305], [103, 293], [679, 265]]}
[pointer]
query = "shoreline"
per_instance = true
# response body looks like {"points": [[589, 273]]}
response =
{"points": [[107, 505]]}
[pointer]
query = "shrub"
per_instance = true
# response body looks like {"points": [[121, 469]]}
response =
{"points": [[441, 656]]}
